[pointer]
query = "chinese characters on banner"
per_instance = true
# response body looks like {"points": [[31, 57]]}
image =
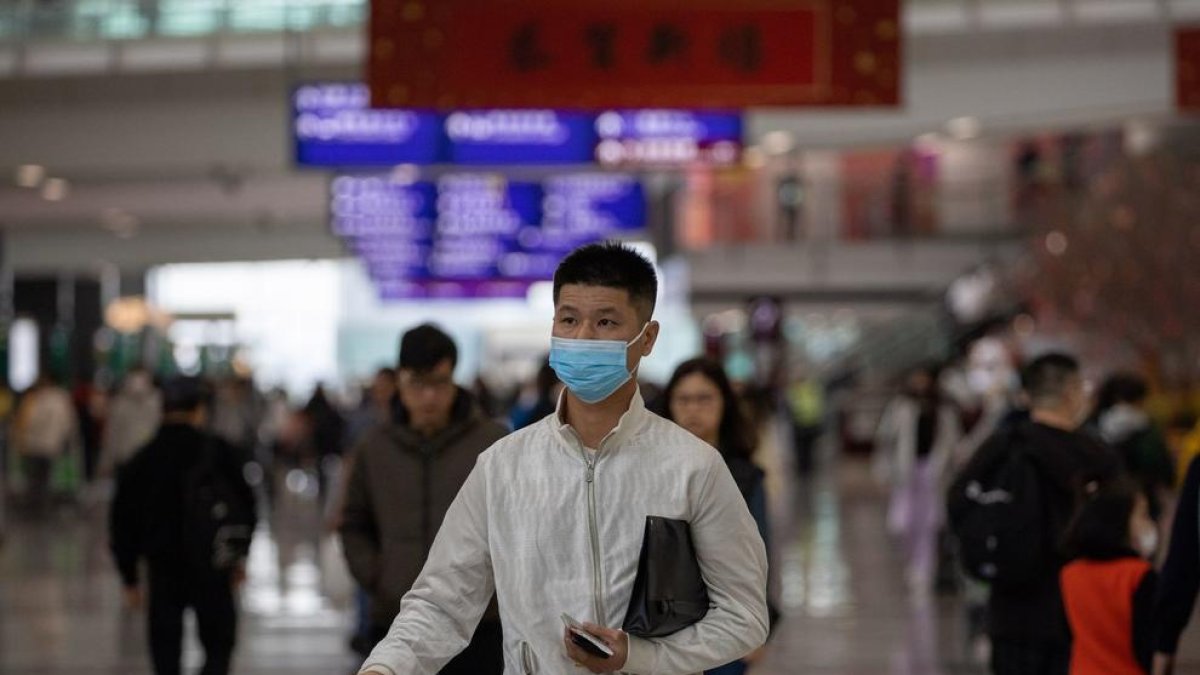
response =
{"points": [[621, 53], [1187, 68]]}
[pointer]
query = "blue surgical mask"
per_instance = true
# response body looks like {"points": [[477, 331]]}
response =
{"points": [[592, 369]]}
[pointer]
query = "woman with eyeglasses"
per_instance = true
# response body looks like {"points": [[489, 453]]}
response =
{"points": [[699, 398]]}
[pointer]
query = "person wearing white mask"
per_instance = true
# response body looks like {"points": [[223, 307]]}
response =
{"points": [[552, 517]]}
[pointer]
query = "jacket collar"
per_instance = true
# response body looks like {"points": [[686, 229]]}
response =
{"points": [[631, 422]]}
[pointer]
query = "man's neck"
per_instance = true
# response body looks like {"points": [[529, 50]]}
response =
{"points": [[1053, 419], [430, 430], [594, 421]]}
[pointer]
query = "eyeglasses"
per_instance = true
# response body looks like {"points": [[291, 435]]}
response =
{"points": [[696, 399]]}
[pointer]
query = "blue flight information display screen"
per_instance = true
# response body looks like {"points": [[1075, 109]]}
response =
{"points": [[476, 235], [334, 126], [668, 137], [495, 137]]}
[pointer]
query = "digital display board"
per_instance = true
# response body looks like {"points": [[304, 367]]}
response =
{"points": [[334, 127], [668, 137], [496, 137], [476, 235]]}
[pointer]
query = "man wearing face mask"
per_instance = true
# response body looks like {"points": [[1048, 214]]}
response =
{"points": [[552, 516], [1028, 624]]}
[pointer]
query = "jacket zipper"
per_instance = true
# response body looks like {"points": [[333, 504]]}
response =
{"points": [[597, 599], [527, 667]]}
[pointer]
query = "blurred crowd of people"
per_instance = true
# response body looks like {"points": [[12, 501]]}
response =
{"points": [[386, 462], [1082, 481]]}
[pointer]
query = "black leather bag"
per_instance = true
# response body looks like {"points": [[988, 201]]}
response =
{"points": [[669, 593]]}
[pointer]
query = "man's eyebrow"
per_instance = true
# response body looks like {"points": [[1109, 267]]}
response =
{"points": [[603, 310]]}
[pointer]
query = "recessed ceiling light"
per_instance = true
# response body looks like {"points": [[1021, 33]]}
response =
{"points": [[30, 175], [778, 142], [55, 189], [964, 128], [929, 140]]}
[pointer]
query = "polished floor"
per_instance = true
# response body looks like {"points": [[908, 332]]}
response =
{"points": [[839, 580]]}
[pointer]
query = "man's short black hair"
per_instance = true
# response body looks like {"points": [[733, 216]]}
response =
{"points": [[1045, 378], [424, 347], [185, 394], [611, 265]]}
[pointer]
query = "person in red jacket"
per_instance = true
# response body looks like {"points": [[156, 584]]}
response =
{"points": [[1109, 588]]}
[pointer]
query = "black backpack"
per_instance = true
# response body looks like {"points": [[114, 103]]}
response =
{"points": [[217, 521], [997, 512]]}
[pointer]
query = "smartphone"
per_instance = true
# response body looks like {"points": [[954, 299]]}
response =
{"points": [[585, 640]]}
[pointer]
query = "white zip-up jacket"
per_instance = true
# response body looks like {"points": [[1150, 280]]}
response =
{"points": [[553, 527]]}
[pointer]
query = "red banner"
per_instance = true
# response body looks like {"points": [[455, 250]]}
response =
{"points": [[634, 53], [1187, 68]]}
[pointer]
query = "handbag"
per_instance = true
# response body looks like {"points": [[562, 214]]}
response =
{"points": [[669, 593]]}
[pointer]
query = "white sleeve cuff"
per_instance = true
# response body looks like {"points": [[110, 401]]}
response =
{"points": [[640, 659], [376, 668]]}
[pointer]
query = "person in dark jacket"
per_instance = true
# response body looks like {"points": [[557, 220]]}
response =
{"points": [[405, 476], [699, 398], [149, 521], [1121, 421], [1028, 625], [1180, 582], [1108, 588]]}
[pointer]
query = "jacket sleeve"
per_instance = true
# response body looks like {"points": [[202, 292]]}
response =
{"points": [[733, 561], [439, 614], [358, 528], [1180, 580], [125, 521]]}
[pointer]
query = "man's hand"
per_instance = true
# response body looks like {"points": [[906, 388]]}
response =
{"points": [[1164, 664], [133, 597], [616, 640]]}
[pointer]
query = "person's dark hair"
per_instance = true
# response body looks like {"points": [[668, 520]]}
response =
{"points": [[424, 347], [1121, 388], [736, 437], [546, 379], [931, 370], [386, 373], [1100, 526], [1045, 378], [611, 265], [185, 394]]}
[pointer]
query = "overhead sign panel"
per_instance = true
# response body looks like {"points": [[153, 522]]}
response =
{"points": [[597, 54]]}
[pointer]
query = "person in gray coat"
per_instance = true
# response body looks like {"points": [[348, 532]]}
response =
{"points": [[407, 473]]}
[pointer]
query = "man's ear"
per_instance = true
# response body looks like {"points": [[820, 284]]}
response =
{"points": [[651, 338]]}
